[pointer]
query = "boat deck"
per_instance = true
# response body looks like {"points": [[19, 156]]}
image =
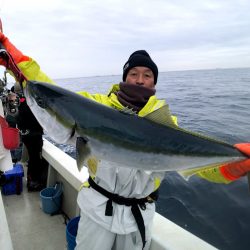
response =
{"points": [[30, 228]]}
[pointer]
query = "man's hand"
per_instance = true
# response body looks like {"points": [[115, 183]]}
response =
{"points": [[16, 54], [233, 171], [243, 148]]}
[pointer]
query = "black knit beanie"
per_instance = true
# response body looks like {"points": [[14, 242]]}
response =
{"points": [[140, 58]]}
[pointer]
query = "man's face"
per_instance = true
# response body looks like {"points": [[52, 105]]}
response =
{"points": [[141, 76]]}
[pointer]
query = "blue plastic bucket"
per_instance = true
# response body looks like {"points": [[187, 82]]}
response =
{"points": [[71, 232], [51, 199]]}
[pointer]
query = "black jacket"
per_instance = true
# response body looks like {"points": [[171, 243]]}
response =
{"points": [[26, 120]]}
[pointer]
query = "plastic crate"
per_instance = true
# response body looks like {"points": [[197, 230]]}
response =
{"points": [[14, 178]]}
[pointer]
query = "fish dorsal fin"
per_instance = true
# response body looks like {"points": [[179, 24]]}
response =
{"points": [[161, 116]]}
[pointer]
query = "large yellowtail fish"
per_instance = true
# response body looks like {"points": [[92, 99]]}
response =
{"points": [[151, 143]]}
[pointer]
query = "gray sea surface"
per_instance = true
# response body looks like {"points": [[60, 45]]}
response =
{"points": [[215, 103]]}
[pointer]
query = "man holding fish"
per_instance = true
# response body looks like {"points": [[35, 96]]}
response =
{"points": [[126, 166]]}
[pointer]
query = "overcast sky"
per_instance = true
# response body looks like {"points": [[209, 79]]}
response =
{"points": [[85, 38]]}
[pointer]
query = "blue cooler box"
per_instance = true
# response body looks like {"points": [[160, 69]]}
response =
{"points": [[14, 178]]}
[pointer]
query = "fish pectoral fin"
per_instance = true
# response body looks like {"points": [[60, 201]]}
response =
{"points": [[73, 131], [161, 116], [82, 151], [84, 157]]}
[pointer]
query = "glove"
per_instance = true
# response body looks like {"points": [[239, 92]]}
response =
{"points": [[234, 170], [243, 148], [16, 54]]}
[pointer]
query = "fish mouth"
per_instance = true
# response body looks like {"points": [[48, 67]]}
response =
{"points": [[56, 127]]}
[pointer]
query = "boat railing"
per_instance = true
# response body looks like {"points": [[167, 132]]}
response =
{"points": [[166, 235], [62, 168]]}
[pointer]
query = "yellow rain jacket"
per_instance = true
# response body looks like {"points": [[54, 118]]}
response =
{"points": [[130, 183], [126, 182], [33, 72]]}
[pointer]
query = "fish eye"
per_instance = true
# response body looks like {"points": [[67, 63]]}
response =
{"points": [[40, 102]]}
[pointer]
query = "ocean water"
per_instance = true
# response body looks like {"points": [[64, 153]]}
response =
{"points": [[215, 103]]}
